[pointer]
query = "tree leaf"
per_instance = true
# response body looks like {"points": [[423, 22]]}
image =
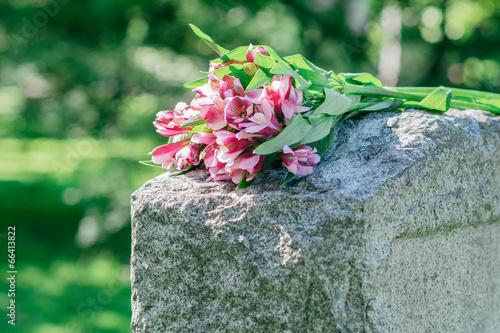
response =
{"points": [[207, 39], [335, 104], [258, 80], [283, 68], [438, 100], [196, 83], [295, 131], [321, 127]]}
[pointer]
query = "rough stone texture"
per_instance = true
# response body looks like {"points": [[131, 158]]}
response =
{"points": [[407, 240]]}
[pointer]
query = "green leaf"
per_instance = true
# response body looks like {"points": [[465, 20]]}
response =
{"points": [[325, 144], [258, 80], [235, 70], [366, 79], [177, 138], [207, 39], [150, 163], [268, 160], [200, 129], [283, 68], [438, 100], [385, 105], [335, 104], [244, 184], [181, 172], [314, 77], [295, 131], [239, 53], [491, 102], [196, 83], [273, 54], [288, 178], [263, 61], [194, 121], [321, 127]]}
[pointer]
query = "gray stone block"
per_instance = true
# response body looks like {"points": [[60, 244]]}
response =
{"points": [[405, 240]]}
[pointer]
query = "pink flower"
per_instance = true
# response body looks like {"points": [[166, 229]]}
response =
{"points": [[230, 146], [237, 110], [216, 168], [262, 123], [252, 52], [300, 160], [187, 157], [177, 156], [165, 155], [203, 138], [247, 165], [168, 123], [213, 97], [286, 99]]}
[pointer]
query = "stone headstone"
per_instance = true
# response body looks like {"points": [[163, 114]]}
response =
{"points": [[397, 230]]}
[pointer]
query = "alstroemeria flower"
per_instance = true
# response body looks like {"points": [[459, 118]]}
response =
{"points": [[187, 157], [165, 155], [252, 52], [237, 111], [216, 168], [210, 101], [247, 165], [230, 145], [286, 99], [300, 160], [168, 123], [262, 123]]}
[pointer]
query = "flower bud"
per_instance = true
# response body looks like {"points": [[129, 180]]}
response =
{"points": [[250, 68]]}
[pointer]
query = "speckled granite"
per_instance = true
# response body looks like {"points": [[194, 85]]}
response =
{"points": [[397, 230]]}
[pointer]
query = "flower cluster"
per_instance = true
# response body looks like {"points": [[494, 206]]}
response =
{"points": [[255, 107], [224, 124]]}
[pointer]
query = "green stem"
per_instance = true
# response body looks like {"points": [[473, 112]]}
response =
{"points": [[379, 92], [473, 94], [418, 94]]}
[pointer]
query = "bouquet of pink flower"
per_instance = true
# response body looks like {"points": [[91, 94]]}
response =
{"points": [[255, 107]]}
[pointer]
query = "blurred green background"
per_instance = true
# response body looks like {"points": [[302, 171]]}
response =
{"points": [[81, 81]]}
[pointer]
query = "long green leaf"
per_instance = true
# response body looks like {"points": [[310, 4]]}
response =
{"points": [[196, 83], [335, 104], [321, 127], [366, 79], [295, 131], [150, 163], [325, 144], [288, 178], [238, 53], [194, 121], [244, 184], [385, 105], [265, 62], [438, 100], [207, 39], [258, 80]]}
